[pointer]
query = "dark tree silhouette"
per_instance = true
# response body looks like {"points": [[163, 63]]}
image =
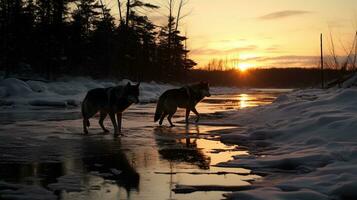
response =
{"points": [[52, 38]]}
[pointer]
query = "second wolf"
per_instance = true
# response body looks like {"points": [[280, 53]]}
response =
{"points": [[112, 101], [185, 97]]}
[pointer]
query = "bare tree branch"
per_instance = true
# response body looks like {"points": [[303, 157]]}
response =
{"points": [[120, 14]]}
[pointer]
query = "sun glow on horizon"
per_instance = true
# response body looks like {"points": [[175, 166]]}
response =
{"points": [[263, 34], [244, 66]]}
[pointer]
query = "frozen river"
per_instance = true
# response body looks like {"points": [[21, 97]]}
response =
{"points": [[43, 153]]}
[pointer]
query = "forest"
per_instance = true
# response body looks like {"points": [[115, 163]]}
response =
{"points": [[53, 38], [270, 77]]}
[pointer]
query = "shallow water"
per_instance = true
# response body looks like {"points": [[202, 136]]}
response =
{"points": [[45, 147]]}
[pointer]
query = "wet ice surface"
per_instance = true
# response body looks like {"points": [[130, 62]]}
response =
{"points": [[43, 154]]}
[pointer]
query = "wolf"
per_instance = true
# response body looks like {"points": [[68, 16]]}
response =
{"points": [[185, 97], [112, 101]]}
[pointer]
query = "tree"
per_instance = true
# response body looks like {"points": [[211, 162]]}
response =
{"points": [[80, 37], [172, 43]]}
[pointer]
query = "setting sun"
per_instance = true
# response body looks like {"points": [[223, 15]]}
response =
{"points": [[244, 66]]}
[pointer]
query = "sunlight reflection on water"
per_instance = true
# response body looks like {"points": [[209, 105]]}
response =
{"points": [[99, 166]]}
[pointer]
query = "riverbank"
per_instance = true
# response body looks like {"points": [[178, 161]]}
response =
{"points": [[304, 144]]}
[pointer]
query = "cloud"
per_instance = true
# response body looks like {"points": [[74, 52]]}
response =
{"points": [[283, 14], [289, 58], [232, 40], [285, 61], [273, 49], [203, 51]]}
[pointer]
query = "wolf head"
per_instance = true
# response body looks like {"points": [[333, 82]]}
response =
{"points": [[132, 92], [204, 89]]}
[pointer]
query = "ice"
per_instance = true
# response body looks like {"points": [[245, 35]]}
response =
{"points": [[277, 194], [69, 183], [305, 142]]}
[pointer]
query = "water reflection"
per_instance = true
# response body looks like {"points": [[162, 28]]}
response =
{"points": [[44, 152], [108, 161], [181, 148], [96, 162], [31, 173], [243, 100], [235, 101]]}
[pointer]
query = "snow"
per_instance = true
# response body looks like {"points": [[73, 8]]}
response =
{"points": [[28, 192], [70, 91], [65, 92], [15, 87], [69, 183], [305, 142]]}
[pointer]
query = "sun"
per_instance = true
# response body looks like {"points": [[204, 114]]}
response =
{"points": [[244, 66]]}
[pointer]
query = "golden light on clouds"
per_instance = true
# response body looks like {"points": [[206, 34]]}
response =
{"points": [[267, 33]]}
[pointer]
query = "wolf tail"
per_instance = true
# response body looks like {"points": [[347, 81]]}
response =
{"points": [[84, 112], [159, 108]]}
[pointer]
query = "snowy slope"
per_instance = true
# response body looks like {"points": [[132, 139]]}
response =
{"points": [[305, 142], [66, 92], [71, 91]]}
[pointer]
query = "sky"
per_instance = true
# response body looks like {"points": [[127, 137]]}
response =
{"points": [[265, 33]]}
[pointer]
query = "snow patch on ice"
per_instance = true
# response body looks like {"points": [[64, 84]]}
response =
{"points": [[276, 193], [68, 183]]}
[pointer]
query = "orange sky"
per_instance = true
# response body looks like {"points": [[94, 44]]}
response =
{"points": [[274, 33], [265, 33]]}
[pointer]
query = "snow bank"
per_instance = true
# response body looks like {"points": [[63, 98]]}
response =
{"points": [[66, 92], [305, 142], [28, 192], [71, 91]]}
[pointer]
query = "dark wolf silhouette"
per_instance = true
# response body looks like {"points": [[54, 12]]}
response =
{"points": [[112, 100], [185, 97]]}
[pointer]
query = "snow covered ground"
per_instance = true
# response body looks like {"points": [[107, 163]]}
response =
{"points": [[65, 92], [71, 91], [305, 143]]}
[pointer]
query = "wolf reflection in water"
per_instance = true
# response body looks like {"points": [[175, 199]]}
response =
{"points": [[181, 149]]}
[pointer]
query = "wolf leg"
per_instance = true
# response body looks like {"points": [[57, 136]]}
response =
{"points": [[119, 117], [171, 113], [88, 111], [162, 118], [112, 118], [103, 115], [169, 119], [198, 115], [187, 114], [85, 123]]}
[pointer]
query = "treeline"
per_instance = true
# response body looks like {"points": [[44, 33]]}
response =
{"points": [[81, 37], [267, 78]]}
